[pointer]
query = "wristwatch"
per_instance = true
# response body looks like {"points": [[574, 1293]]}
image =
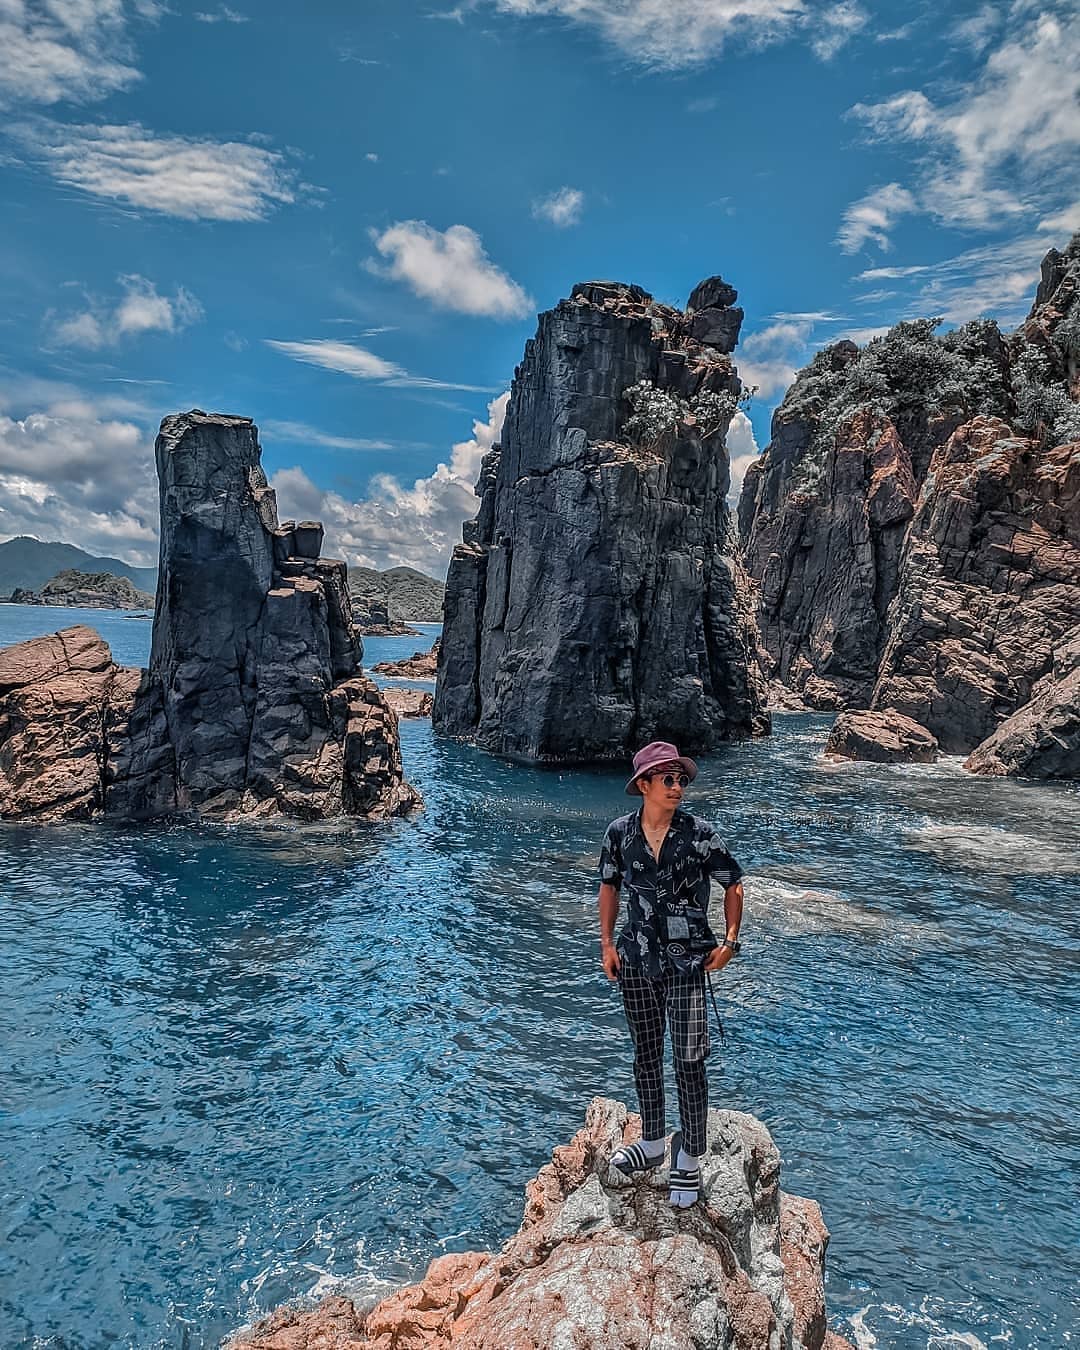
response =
{"points": [[736, 947]]}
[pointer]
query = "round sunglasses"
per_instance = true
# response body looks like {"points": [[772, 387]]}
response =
{"points": [[670, 779]]}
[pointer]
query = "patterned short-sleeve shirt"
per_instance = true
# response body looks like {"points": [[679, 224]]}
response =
{"points": [[667, 922]]}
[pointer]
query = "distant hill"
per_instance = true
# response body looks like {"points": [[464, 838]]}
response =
{"points": [[27, 564], [407, 594]]}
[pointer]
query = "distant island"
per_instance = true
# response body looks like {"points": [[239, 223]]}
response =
{"points": [[28, 564], [86, 590], [405, 594], [388, 600]]}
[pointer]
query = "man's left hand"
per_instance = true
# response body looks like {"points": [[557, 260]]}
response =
{"points": [[717, 959]]}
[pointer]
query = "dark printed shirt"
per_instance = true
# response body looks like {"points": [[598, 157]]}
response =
{"points": [[667, 924]]}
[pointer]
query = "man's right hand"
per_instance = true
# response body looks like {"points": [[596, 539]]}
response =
{"points": [[610, 959]]}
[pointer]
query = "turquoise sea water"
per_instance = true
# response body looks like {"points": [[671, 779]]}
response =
{"points": [[242, 1065]]}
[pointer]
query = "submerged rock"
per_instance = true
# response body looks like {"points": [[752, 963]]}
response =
{"points": [[598, 599], [254, 703], [888, 737], [603, 1263]]}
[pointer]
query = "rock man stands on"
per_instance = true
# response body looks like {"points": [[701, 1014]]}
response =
{"points": [[666, 857]]}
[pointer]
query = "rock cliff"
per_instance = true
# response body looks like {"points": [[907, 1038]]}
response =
{"points": [[603, 1263], [913, 527], [598, 600], [254, 703]]}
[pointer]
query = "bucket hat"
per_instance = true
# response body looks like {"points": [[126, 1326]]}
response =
{"points": [[654, 754]]}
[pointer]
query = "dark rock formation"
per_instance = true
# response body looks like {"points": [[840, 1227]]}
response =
{"points": [[86, 590], [885, 737], [598, 601], [911, 526], [604, 1263], [1042, 739], [254, 703], [373, 620]]}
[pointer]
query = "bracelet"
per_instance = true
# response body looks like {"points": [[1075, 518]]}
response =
{"points": [[736, 947]]}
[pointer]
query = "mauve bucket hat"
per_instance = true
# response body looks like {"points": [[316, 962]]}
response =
{"points": [[654, 754]]}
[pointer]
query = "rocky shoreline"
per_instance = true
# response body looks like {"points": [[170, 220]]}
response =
{"points": [[604, 1262]]}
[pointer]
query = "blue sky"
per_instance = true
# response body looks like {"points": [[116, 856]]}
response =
{"points": [[341, 219]]}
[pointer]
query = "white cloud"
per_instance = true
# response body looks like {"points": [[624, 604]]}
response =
{"points": [[836, 26], [76, 50], [195, 179], [891, 273], [670, 33], [397, 525], [449, 268], [372, 157], [140, 310], [223, 15], [872, 217], [346, 359], [299, 433], [560, 208], [71, 473], [769, 358], [977, 30], [1066, 221], [993, 281], [1006, 144], [743, 450]]}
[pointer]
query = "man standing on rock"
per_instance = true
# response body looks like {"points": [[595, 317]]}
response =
{"points": [[666, 857]]}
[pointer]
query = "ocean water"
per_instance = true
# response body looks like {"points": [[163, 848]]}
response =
{"points": [[241, 1066]]}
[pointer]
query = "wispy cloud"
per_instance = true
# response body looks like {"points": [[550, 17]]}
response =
{"points": [[561, 208], [977, 30], [1006, 143], [139, 310], [671, 34], [397, 524], [223, 15], [835, 26], [346, 359], [66, 50], [190, 177], [299, 433], [871, 218], [993, 281], [450, 268]]}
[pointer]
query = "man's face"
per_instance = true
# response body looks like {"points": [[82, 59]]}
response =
{"points": [[654, 789]]}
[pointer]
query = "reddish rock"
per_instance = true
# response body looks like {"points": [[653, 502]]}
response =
{"points": [[990, 581], [603, 1263], [419, 666], [887, 737], [409, 702], [1042, 739]]}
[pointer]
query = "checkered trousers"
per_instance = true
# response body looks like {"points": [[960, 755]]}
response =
{"points": [[680, 1001]]}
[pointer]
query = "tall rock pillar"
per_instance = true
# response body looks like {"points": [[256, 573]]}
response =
{"points": [[598, 601]]}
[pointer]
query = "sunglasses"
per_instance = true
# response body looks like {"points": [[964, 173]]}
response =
{"points": [[670, 779]]}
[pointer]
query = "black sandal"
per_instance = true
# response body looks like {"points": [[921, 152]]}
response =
{"points": [[680, 1180], [634, 1160]]}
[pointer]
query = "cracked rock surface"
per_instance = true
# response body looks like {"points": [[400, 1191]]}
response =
{"points": [[598, 600], [254, 703], [602, 1262], [913, 528]]}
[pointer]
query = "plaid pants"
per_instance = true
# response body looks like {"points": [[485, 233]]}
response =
{"points": [[681, 1000]]}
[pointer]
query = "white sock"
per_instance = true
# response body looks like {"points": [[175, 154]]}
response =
{"points": [[653, 1148], [685, 1162]]}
